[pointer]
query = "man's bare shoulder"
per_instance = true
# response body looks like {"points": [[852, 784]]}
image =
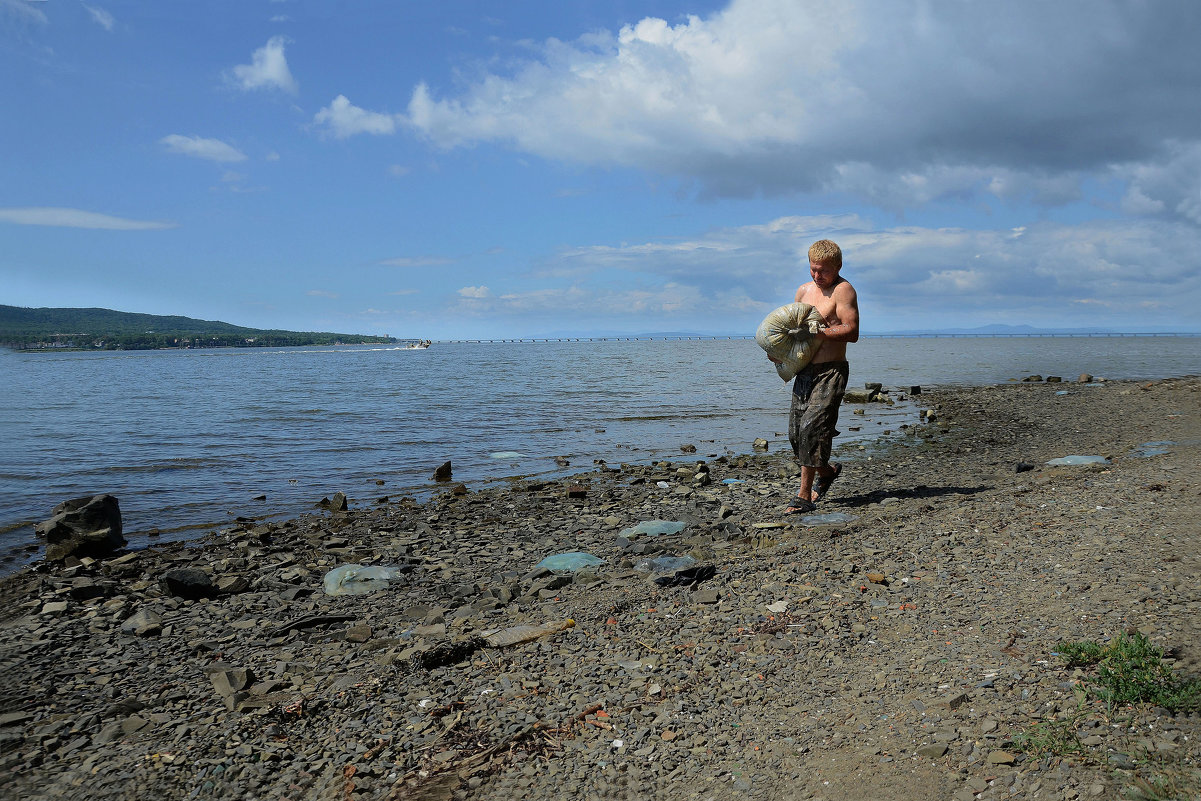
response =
{"points": [[844, 291], [802, 290]]}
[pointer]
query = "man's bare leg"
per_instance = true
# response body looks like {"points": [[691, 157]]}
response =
{"points": [[808, 474]]}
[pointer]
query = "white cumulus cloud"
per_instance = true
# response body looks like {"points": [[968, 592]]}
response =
{"points": [[901, 103], [268, 69], [343, 119], [201, 148], [475, 292], [907, 276]]}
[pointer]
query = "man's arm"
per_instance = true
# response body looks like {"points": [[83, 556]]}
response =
{"points": [[847, 312]]}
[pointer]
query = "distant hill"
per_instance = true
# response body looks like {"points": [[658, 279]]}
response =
{"points": [[105, 329]]}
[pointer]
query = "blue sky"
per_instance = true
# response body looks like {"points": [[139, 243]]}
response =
{"points": [[497, 169]]}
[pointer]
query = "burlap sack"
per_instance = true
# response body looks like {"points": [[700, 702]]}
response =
{"points": [[788, 334]]}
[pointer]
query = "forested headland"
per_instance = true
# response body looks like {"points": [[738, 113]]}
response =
{"points": [[104, 329]]}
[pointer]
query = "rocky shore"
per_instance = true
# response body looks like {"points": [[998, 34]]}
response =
{"points": [[900, 645]]}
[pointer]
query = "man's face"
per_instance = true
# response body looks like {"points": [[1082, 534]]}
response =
{"points": [[824, 275]]}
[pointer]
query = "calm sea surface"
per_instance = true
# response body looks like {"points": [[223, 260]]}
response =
{"points": [[187, 439]]}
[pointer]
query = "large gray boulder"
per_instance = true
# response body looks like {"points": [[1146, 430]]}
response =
{"points": [[88, 526]]}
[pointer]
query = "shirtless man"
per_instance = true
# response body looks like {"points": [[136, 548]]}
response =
{"points": [[818, 390]]}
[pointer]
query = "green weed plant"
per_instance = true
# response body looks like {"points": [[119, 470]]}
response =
{"points": [[1130, 670], [1050, 738]]}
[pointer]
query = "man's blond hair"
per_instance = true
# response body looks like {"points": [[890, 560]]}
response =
{"points": [[824, 251]]}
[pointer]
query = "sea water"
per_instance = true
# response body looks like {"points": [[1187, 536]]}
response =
{"points": [[190, 439]]}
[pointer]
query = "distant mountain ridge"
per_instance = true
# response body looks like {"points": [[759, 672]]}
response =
{"points": [[94, 328]]}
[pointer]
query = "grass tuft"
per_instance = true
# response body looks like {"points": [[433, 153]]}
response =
{"points": [[1130, 670], [1050, 738], [1172, 785]]}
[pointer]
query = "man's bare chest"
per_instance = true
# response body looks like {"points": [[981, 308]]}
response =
{"points": [[825, 305]]}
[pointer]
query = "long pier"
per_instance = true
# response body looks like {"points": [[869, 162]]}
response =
{"points": [[538, 340]]}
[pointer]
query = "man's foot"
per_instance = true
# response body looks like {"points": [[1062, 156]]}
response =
{"points": [[800, 506], [821, 484]]}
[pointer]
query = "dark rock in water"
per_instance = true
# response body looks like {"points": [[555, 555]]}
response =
{"points": [[443, 472], [1031, 379], [88, 526], [335, 504], [915, 390], [1054, 379], [873, 386], [189, 582], [688, 448]]}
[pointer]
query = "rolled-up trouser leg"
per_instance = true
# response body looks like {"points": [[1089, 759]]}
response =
{"points": [[813, 415]]}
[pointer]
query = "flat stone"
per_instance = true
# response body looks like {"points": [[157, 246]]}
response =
{"points": [[359, 633], [133, 723], [112, 731], [231, 585], [954, 700], [15, 718], [228, 682], [143, 623]]}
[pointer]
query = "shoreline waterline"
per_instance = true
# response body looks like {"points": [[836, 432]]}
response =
{"points": [[171, 433]]}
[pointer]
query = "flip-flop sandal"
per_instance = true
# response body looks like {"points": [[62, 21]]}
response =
{"points": [[822, 485], [800, 506]]}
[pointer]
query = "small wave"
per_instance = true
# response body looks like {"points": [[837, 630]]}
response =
{"points": [[161, 467], [677, 416]]}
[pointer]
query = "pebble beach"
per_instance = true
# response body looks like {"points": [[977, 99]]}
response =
{"points": [[899, 644]]}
